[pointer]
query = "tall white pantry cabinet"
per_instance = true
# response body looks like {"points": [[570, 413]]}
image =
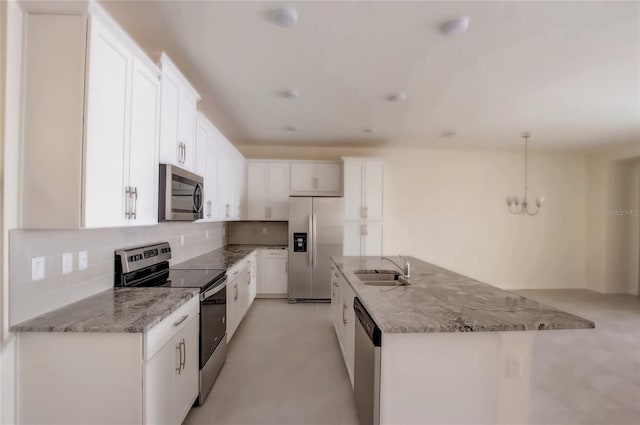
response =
{"points": [[363, 206], [91, 124]]}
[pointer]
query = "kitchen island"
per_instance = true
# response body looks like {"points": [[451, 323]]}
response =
{"points": [[452, 349]]}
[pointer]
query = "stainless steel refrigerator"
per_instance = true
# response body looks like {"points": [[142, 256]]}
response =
{"points": [[315, 234]]}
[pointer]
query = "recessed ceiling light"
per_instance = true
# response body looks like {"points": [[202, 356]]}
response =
{"points": [[369, 130], [455, 26], [293, 128], [448, 133], [397, 97], [290, 93], [285, 17]]}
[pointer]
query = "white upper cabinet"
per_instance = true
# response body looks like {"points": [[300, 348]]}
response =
{"points": [[316, 178], [178, 117], [96, 157], [363, 189], [363, 206], [207, 165], [268, 190]]}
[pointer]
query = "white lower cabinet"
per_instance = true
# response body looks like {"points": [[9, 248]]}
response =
{"points": [[343, 317], [169, 389], [115, 378], [241, 291], [273, 273]]}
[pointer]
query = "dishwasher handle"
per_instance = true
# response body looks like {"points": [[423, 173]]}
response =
{"points": [[368, 324]]}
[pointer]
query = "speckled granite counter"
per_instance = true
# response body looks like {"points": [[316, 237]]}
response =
{"points": [[439, 300], [119, 310], [222, 258]]}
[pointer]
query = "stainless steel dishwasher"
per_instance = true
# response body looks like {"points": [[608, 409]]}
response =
{"points": [[366, 389]]}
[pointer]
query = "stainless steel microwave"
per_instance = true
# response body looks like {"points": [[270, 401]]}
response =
{"points": [[180, 194]]}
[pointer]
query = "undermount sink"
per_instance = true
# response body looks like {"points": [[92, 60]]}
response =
{"points": [[380, 278]]}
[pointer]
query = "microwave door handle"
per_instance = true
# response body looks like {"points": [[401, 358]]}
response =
{"points": [[197, 207]]}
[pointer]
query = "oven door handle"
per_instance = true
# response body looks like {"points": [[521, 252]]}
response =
{"points": [[214, 290]]}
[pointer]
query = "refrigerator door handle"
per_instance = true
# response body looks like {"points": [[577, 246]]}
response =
{"points": [[315, 232], [310, 242]]}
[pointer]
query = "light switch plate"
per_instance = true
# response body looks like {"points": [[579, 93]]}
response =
{"points": [[83, 260], [264, 230], [37, 268], [67, 263]]}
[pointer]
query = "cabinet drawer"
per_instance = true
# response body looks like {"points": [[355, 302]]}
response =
{"points": [[160, 334], [237, 268], [274, 253]]}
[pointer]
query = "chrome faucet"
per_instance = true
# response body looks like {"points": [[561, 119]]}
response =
{"points": [[406, 269]]}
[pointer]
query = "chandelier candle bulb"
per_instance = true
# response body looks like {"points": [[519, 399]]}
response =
{"points": [[540, 201]]}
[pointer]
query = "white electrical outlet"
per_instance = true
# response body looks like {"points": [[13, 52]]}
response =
{"points": [[37, 268], [181, 239], [206, 234], [67, 263], [83, 260], [514, 366], [264, 230]]}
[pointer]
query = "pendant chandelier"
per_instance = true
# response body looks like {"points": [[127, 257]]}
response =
{"points": [[519, 206]]}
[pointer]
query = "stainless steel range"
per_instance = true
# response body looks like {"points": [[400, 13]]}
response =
{"points": [[148, 266]]}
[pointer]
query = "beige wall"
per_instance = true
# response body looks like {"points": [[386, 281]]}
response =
{"points": [[613, 232], [447, 207]]}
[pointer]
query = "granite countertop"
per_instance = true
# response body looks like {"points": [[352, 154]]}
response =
{"points": [[222, 258], [116, 310], [439, 300]]}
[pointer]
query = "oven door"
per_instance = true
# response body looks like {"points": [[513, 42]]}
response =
{"points": [[181, 195], [213, 319]]}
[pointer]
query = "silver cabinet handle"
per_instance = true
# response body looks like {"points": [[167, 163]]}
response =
{"points": [[127, 204], [179, 348], [366, 212], [236, 296], [344, 310], [183, 357], [182, 319], [336, 284], [336, 275], [286, 266], [209, 208], [266, 212], [227, 210], [134, 194], [184, 149]]}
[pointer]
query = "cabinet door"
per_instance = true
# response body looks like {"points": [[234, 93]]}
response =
{"points": [[353, 194], [106, 176], [335, 303], [352, 238], [257, 190], [243, 293], [253, 287], [273, 276], [143, 144], [372, 241], [186, 130], [202, 137], [158, 385], [170, 151], [224, 180], [278, 191], [329, 178], [302, 177], [186, 380], [348, 328], [233, 307], [240, 197], [211, 180], [373, 190]]}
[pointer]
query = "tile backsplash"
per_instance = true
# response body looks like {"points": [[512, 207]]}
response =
{"points": [[258, 232], [29, 298]]}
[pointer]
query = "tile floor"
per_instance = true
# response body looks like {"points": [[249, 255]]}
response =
{"points": [[285, 367]]}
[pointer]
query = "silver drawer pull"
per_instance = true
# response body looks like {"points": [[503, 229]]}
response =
{"points": [[182, 319], [336, 275]]}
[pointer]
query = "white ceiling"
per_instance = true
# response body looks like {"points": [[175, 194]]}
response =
{"points": [[569, 72]]}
